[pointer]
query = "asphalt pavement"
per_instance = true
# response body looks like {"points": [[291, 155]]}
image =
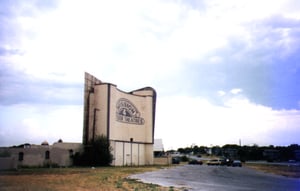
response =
{"points": [[218, 178]]}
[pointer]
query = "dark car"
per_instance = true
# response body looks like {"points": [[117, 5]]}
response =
{"points": [[237, 163], [226, 162], [194, 161], [175, 160]]}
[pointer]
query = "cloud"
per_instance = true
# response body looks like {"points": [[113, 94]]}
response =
{"points": [[12, 14], [36, 123], [262, 60], [194, 120], [138, 42], [215, 65], [236, 91], [221, 93], [19, 88]]}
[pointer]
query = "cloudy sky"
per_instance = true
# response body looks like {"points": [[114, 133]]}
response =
{"points": [[224, 71]]}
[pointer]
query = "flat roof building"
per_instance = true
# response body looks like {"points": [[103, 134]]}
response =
{"points": [[127, 119]]}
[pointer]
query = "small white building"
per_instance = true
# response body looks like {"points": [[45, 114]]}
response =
{"points": [[158, 147]]}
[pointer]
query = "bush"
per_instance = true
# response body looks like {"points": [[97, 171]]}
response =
{"points": [[184, 159], [96, 153]]}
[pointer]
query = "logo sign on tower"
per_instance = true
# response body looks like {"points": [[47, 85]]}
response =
{"points": [[128, 113]]}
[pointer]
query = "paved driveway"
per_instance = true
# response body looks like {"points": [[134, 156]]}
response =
{"points": [[223, 178]]}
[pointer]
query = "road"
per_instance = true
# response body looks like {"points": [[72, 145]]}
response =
{"points": [[215, 178]]}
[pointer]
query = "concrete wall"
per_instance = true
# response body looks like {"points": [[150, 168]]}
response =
{"points": [[163, 160], [126, 118], [7, 163], [35, 155], [89, 84], [120, 129], [131, 154]]}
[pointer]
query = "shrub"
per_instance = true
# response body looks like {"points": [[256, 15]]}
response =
{"points": [[184, 159], [96, 153]]}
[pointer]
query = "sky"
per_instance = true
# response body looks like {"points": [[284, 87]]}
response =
{"points": [[225, 72]]}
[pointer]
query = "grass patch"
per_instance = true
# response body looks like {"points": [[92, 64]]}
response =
{"points": [[77, 179], [292, 171]]}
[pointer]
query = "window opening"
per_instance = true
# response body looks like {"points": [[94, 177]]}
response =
{"points": [[47, 155], [21, 156]]}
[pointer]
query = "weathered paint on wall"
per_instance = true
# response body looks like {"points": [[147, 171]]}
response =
{"points": [[58, 154], [126, 118]]}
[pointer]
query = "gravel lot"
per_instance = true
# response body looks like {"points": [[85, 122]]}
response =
{"points": [[214, 178]]}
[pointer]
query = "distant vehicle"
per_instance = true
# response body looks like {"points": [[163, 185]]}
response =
{"points": [[175, 160], [237, 163], [194, 161], [226, 162], [214, 162]]}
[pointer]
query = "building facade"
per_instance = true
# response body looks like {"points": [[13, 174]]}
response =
{"points": [[44, 155], [127, 119]]}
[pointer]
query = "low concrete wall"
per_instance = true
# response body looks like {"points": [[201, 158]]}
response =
{"points": [[7, 163], [163, 160], [60, 154]]}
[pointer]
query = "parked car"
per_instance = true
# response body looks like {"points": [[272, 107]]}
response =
{"points": [[292, 161], [175, 160], [237, 163], [226, 162], [214, 162], [194, 161]]}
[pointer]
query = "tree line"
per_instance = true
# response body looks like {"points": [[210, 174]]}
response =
{"points": [[270, 153]]}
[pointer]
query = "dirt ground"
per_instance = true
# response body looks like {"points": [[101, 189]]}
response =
{"points": [[292, 171], [76, 179], [102, 178]]}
